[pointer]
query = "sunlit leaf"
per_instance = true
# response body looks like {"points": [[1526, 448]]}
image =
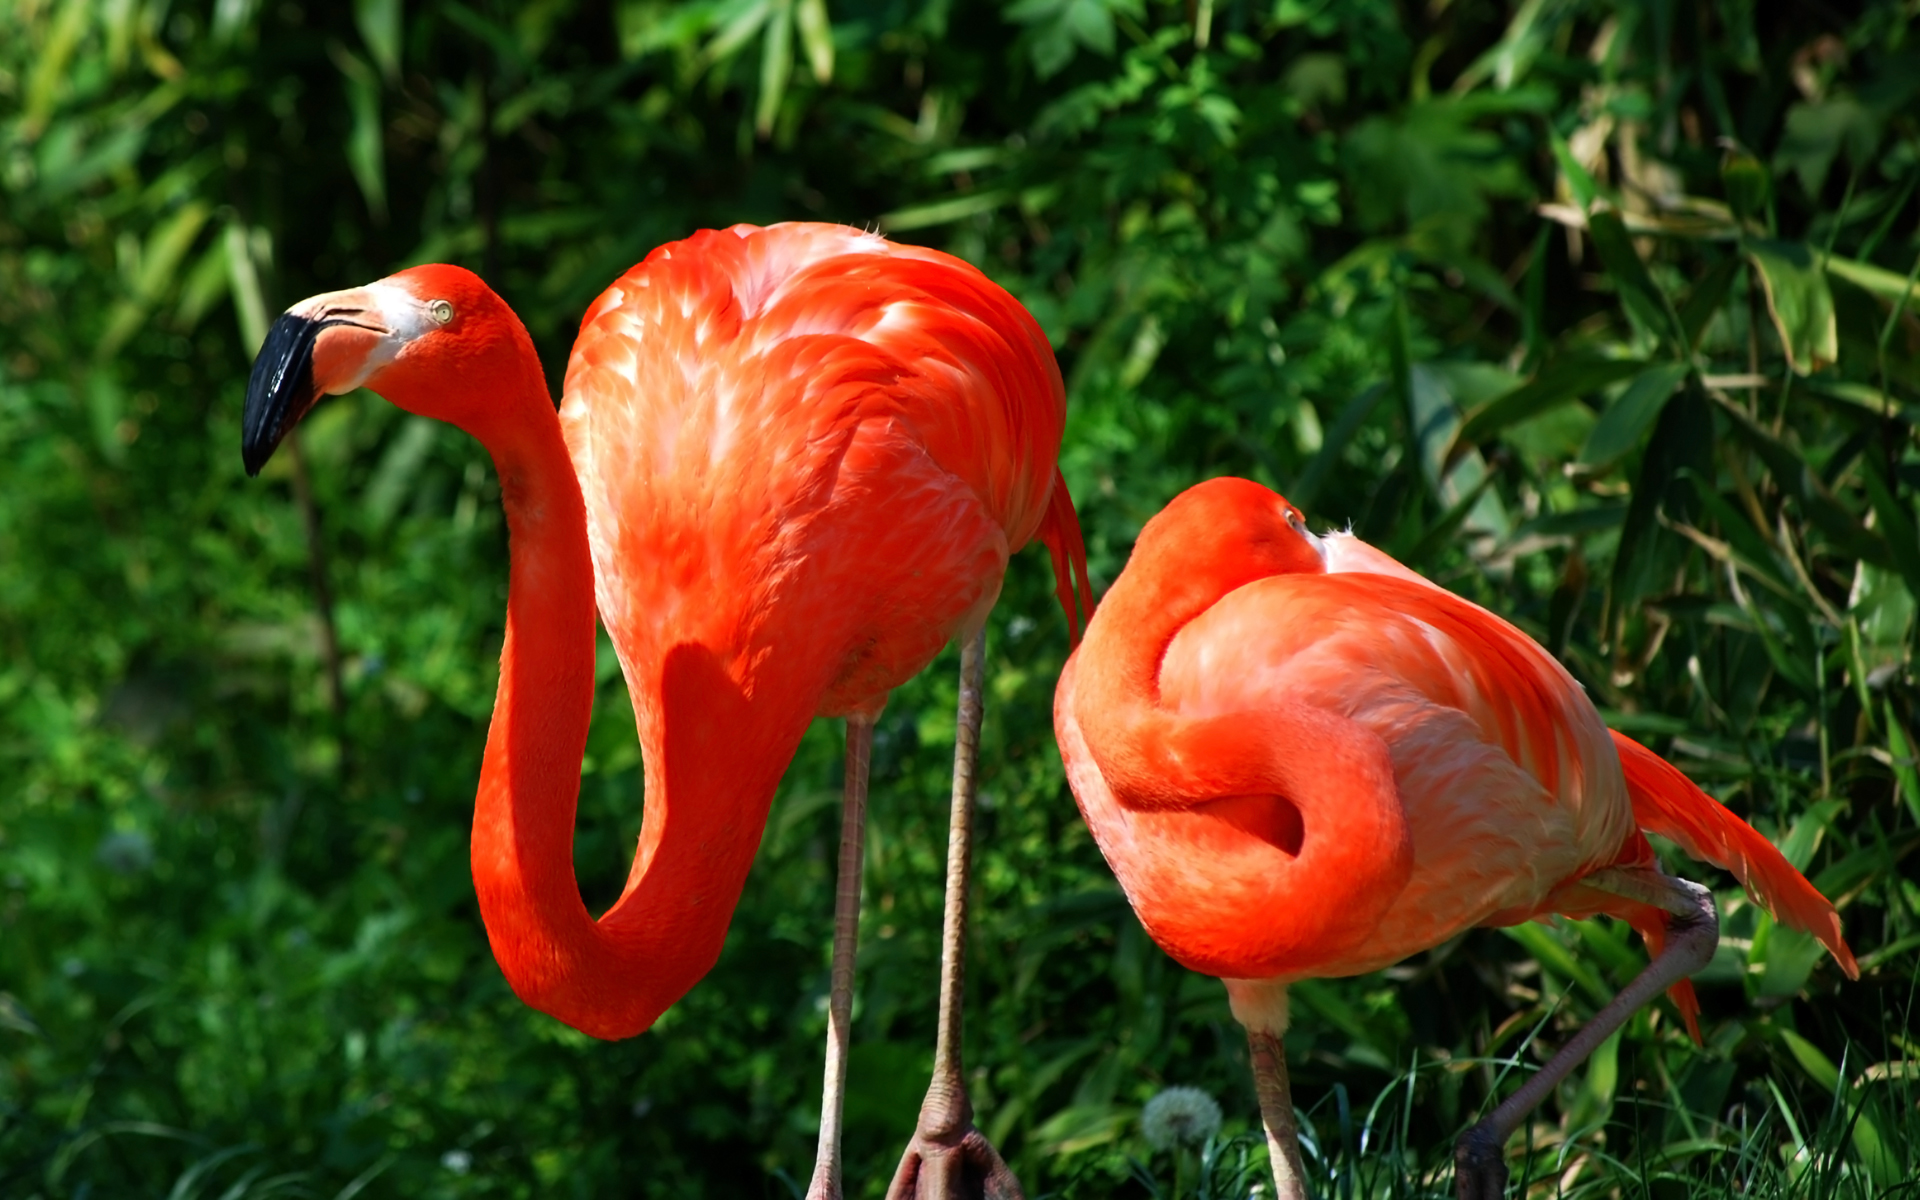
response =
{"points": [[1799, 303], [816, 35], [776, 64], [379, 22]]}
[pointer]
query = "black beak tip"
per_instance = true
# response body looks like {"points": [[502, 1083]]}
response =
{"points": [[280, 390]]}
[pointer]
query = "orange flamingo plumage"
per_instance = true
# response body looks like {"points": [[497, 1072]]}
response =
{"points": [[1303, 760], [790, 465]]}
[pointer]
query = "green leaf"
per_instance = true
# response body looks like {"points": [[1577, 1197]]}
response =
{"points": [[1799, 302], [1797, 478], [1875, 281], [1747, 185], [1896, 525], [1554, 956], [1682, 440], [1706, 298], [1906, 771], [379, 24], [1747, 547], [245, 250], [1579, 182], [1638, 292], [366, 138], [1353, 414], [940, 212], [1818, 1066], [1632, 413], [816, 35], [776, 64], [1562, 380]]}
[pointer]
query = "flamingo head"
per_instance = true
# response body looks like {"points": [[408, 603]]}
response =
{"points": [[1234, 530], [434, 340]]}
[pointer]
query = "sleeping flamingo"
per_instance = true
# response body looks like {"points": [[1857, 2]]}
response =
{"points": [[791, 464], [1303, 760]]}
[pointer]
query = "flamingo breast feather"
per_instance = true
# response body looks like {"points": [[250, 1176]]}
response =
{"points": [[1508, 777]]}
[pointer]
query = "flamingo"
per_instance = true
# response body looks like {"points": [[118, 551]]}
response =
{"points": [[1303, 760], [790, 465]]}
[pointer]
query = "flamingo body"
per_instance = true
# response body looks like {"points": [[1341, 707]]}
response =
{"points": [[810, 450], [1507, 785], [790, 465]]}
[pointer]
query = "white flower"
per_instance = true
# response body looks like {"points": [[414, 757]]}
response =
{"points": [[1179, 1116]]}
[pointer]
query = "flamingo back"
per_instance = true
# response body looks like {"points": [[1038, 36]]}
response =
{"points": [[807, 424]]}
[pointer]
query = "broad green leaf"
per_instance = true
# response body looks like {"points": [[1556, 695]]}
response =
{"points": [[745, 23], [50, 67], [205, 285], [1058, 29], [1818, 131], [1561, 381], [1456, 472], [1799, 303], [1632, 413]]}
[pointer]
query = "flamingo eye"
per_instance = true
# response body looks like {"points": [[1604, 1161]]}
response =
{"points": [[1298, 522], [441, 311]]}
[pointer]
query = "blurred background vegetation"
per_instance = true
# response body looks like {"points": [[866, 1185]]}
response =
{"points": [[1602, 313]]}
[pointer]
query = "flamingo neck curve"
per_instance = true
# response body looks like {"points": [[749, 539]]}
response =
{"points": [[614, 977], [1257, 842]]}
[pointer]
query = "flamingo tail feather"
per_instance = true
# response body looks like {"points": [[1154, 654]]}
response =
{"points": [[1060, 530], [1666, 802]]}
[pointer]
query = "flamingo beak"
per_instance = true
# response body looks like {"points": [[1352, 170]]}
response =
{"points": [[326, 346]]}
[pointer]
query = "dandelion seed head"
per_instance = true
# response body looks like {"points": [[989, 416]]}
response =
{"points": [[1179, 1116]]}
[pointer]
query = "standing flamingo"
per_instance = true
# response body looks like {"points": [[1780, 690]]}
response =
{"points": [[790, 465], [1303, 760]]}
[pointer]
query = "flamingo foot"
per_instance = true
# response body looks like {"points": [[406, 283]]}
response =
{"points": [[949, 1159], [1479, 1165], [1479, 1157]]}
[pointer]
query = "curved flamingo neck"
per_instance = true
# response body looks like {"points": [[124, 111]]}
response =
{"points": [[611, 978], [1290, 807], [1148, 755]]}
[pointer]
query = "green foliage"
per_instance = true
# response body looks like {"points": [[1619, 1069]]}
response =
{"points": [[1602, 314]]}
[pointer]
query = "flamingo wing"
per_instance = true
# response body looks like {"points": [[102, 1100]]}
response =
{"points": [[1508, 776]]}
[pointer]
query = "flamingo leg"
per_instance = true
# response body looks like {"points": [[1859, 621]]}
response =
{"points": [[1480, 1170], [1276, 1114], [948, 1159], [1260, 1005], [826, 1183]]}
